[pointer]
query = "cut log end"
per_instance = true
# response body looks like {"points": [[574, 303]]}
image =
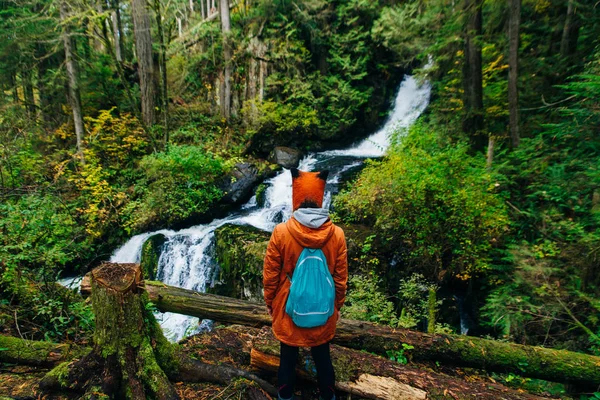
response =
{"points": [[118, 277]]}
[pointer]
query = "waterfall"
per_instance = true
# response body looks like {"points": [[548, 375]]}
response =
{"points": [[187, 256]]}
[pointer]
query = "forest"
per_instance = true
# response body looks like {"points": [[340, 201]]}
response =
{"points": [[473, 233]]}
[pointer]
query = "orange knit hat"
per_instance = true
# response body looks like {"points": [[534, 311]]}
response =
{"points": [[308, 188]]}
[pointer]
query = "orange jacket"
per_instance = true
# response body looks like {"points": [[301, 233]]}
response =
{"points": [[287, 242]]}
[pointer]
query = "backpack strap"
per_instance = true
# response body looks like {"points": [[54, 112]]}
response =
{"points": [[294, 239]]}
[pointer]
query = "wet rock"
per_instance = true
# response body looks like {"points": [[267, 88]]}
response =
{"points": [[239, 184], [286, 157], [150, 254], [240, 251]]}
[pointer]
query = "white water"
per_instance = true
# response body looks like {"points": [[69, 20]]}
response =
{"points": [[410, 102], [186, 258]]}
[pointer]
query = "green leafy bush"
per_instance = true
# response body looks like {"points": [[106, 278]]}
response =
{"points": [[176, 185], [436, 204], [41, 234], [365, 301]]}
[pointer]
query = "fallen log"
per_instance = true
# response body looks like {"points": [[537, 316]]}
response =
{"points": [[530, 361], [377, 378], [35, 353]]}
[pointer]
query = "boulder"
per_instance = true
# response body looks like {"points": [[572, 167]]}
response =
{"points": [[286, 157], [150, 254], [240, 251], [239, 184]]}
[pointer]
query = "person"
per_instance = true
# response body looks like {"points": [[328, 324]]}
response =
{"points": [[309, 227]]}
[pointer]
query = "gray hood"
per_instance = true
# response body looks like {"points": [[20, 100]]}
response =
{"points": [[311, 217]]}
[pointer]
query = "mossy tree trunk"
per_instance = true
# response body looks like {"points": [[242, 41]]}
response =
{"points": [[129, 351], [131, 358]]}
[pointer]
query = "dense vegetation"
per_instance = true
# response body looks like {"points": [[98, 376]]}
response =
{"points": [[488, 206], [142, 148], [512, 235]]}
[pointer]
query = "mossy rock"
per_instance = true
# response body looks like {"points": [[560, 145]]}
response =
{"points": [[150, 254], [261, 191], [240, 252]]}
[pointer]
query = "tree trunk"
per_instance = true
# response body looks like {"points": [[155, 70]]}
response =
{"points": [[374, 377], [513, 66], [472, 77], [565, 42], [530, 361], [12, 82], [490, 152], [226, 29], [73, 80], [129, 352], [27, 81], [117, 30], [143, 47], [50, 103], [162, 63]]}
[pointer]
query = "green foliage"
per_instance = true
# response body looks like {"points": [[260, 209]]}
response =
{"points": [[177, 184], [116, 140], [553, 180], [365, 301], [62, 320], [414, 301], [282, 119], [39, 233], [437, 204], [400, 356]]}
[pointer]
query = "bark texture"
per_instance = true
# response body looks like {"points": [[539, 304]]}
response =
{"points": [[472, 76], [530, 361], [513, 70], [73, 80], [568, 42], [143, 46], [117, 30], [226, 86]]}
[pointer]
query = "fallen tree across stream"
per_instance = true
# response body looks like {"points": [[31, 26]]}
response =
{"points": [[536, 362]]}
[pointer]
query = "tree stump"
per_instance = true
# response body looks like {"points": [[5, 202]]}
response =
{"points": [[130, 353]]}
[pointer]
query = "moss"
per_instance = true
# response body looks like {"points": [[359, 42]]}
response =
{"points": [[260, 194], [60, 374], [35, 352], [95, 393], [164, 351], [240, 252], [150, 254]]}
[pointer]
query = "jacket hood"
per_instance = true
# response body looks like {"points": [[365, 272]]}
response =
{"points": [[311, 217], [313, 238]]}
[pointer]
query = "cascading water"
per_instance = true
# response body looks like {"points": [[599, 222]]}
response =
{"points": [[186, 258]]}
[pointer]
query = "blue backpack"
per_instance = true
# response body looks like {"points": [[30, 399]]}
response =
{"points": [[312, 291]]}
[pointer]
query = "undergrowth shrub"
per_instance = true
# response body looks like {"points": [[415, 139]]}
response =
{"points": [[176, 185], [436, 204]]}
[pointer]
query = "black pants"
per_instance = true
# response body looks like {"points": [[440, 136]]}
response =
{"points": [[287, 370]]}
